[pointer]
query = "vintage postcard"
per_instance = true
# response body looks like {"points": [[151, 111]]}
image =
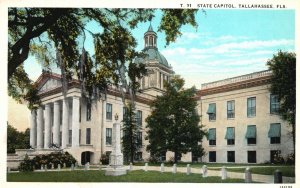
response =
{"points": [[194, 92]]}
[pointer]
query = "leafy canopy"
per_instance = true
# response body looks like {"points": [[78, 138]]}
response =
{"points": [[174, 123], [56, 36], [283, 84]]}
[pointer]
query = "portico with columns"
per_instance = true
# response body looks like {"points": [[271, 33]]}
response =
{"points": [[48, 123], [70, 122]]}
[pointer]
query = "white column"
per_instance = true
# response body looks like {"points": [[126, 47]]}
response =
{"points": [[47, 137], [33, 128], [40, 127], [65, 124], [75, 122], [56, 123]]}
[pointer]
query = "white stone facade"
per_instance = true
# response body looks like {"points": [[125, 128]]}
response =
{"points": [[84, 128], [239, 93]]}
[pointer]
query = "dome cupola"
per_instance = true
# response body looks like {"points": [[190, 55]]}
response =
{"points": [[150, 38]]}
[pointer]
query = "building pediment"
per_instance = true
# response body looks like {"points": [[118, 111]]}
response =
{"points": [[47, 82]]}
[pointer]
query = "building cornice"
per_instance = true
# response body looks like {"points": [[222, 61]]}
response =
{"points": [[259, 81], [74, 83]]}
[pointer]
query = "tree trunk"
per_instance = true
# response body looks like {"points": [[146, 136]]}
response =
{"points": [[293, 134], [175, 157]]}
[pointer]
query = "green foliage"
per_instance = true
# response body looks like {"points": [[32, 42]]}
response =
{"points": [[16, 139], [283, 84], [26, 165], [290, 159], [21, 88], [104, 159], [173, 19], [130, 131], [173, 123], [54, 158], [99, 176], [44, 31]]}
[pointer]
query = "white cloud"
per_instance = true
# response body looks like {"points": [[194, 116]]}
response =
{"points": [[224, 59], [255, 44]]}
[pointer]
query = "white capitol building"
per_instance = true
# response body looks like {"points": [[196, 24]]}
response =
{"points": [[239, 113]]}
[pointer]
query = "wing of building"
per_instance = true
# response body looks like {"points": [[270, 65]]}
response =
{"points": [[239, 113], [242, 119]]}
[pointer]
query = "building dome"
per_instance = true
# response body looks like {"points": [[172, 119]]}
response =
{"points": [[150, 49]]}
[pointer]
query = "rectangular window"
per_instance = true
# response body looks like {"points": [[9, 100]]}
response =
{"points": [[251, 134], [162, 156], [275, 133], [212, 156], [230, 135], [231, 156], [125, 110], [88, 111], [79, 112], [251, 141], [52, 139], [139, 156], [211, 111], [88, 136], [60, 138], [195, 157], [275, 140], [108, 136], [230, 142], [274, 156], [139, 118], [139, 140], [212, 137], [251, 107], [109, 111], [274, 104], [70, 137], [251, 156], [178, 156], [79, 136], [230, 109]]}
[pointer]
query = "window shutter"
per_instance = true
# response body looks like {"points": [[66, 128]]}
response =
{"points": [[211, 108], [275, 130], [230, 133], [251, 131], [212, 134]]}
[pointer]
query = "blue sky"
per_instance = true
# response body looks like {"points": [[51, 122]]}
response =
{"points": [[227, 43]]}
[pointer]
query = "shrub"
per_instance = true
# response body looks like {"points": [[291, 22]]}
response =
{"points": [[26, 165], [105, 159], [290, 159], [54, 158], [278, 159]]}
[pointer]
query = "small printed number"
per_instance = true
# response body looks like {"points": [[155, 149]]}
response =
{"points": [[286, 186]]}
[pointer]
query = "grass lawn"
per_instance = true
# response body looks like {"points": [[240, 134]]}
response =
{"points": [[288, 171], [98, 176]]}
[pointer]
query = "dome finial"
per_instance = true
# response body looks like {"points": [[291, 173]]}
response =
{"points": [[150, 29]]}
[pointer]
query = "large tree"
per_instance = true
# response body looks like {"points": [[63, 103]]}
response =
{"points": [[174, 123], [56, 36], [17, 139], [130, 133], [283, 84]]}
